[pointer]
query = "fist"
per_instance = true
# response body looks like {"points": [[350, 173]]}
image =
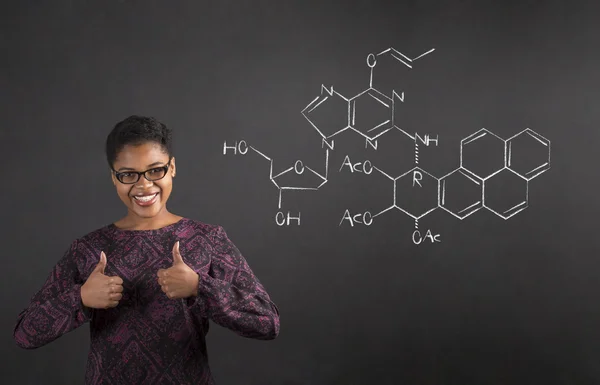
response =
{"points": [[101, 291], [179, 280]]}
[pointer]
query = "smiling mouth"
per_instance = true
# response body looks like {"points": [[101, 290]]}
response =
{"points": [[145, 200]]}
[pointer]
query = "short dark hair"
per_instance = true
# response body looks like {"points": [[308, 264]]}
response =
{"points": [[136, 130]]}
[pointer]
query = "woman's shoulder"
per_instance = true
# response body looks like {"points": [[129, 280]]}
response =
{"points": [[199, 227]]}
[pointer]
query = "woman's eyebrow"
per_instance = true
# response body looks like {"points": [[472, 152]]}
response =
{"points": [[133, 169]]}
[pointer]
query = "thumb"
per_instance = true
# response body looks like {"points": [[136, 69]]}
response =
{"points": [[102, 264], [177, 259]]}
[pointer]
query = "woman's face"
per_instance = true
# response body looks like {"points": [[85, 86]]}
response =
{"points": [[144, 198]]}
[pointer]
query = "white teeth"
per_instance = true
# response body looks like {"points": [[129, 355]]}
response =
{"points": [[147, 198]]}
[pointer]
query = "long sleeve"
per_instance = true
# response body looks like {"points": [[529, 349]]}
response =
{"points": [[55, 309], [231, 295]]}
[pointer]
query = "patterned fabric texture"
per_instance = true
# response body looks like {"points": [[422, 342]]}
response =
{"points": [[149, 338]]}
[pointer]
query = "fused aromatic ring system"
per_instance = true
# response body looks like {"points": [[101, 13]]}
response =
{"points": [[474, 185]]}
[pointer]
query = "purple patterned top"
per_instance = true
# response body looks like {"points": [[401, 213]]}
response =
{"points": [[149, 338]]}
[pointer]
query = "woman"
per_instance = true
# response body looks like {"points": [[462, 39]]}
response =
{"points": [[149, 282]]}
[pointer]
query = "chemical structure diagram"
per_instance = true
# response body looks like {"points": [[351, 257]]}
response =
{"points": [[517, 160]]}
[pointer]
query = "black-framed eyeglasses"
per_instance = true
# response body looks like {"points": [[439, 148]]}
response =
{"points": [[153, 174]]}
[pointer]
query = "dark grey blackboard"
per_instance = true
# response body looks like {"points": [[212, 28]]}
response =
{"points": [[495, 301]]}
